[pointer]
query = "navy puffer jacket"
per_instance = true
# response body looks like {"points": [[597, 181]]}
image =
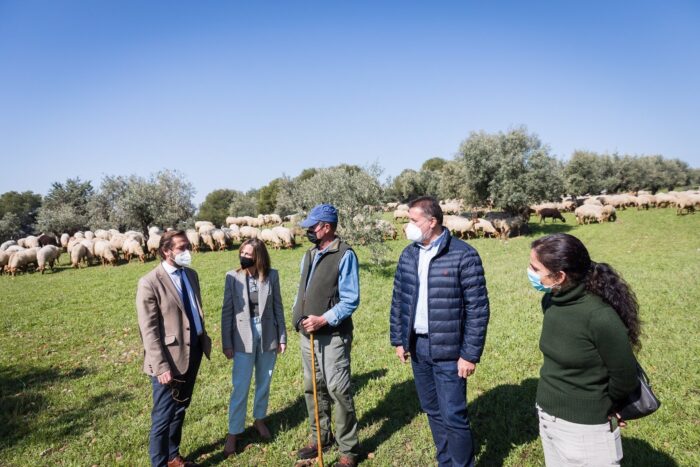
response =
{"points": [[458, 303]]}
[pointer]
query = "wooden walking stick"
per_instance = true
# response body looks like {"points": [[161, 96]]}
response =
{"points": [[318, 425]]}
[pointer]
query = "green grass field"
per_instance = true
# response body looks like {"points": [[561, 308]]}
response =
{"points": [[72, 391]]}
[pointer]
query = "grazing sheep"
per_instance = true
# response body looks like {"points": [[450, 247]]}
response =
{"points": [[459, 226], [90, 245], [79, 235], [401, 214], [219, 238], [48, 254], [154, 230], [233, 233], [153, 244], [64, 240], [550, 212], [587, 213], [18, 261], [270, 238], [131, 248], [207, 239], [4, 259], [387, 229], [7, 244], [104, 251], [22, 242], [609, 213], [79, 253], [89, 235], [285, 235], [485, 227], [249, 232], [644, 201], [31, 242], [687, 202], [664, 200], [193, 238]]}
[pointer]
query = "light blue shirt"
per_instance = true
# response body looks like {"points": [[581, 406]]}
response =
{"points": [[174, 274], [425, 255], [348, 286]]}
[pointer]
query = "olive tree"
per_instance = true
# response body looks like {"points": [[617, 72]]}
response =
{"points": [[354, 191]]}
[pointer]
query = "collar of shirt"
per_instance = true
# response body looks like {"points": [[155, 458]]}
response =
{"points": [[435, 243], [169, 269]]}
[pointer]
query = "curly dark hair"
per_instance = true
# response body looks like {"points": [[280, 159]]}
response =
{"points": [[564, 252]]}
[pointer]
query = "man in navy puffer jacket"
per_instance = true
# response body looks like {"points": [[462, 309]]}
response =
{"points": [[439, 315]]}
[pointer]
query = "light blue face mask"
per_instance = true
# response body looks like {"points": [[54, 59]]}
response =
{"points": [[537, 282]]}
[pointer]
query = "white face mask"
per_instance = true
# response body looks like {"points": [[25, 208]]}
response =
{"points": [[183, 259], [414, 233]]}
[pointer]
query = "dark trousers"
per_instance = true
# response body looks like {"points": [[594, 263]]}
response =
{"points": [[168, 415], [443, 397]]}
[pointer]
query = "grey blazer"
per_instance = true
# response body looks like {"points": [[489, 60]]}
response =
{"points": [[236, 333]]}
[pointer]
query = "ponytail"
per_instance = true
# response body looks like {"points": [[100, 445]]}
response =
{"points": [[603, 281], [564, 252]]}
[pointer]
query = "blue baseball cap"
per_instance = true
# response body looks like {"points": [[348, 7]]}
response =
{"points": [[320, 213]]}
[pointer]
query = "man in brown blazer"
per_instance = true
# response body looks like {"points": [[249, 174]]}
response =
{"points": [[171, 323]]}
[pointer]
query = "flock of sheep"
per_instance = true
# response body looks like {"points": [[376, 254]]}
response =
{"points": [[108, 246], [473, 222]]}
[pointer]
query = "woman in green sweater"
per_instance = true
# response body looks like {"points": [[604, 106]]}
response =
{"points": [[589, 333]]}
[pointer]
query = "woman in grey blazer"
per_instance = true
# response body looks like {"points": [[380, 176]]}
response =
{"points": [[253, 333]]}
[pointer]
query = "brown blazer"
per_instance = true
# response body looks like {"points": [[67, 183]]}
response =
{"points": [[163, 323], [236, 333]]}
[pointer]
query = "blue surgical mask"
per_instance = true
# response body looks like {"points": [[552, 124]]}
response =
{"points": [[537, 282]]}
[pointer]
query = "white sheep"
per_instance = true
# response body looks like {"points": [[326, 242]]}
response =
{"points": [[7, 244], [89, 235], [249, 232], [207, 239], [285, 235], [270, 238], [587, 213], [233, 233], [193, 238], [64, 240], [459, 226], [153, 244], [4, 259], [48, 254], [485, 227], [79, 253], [131, 247], [401, 214], [219, 238], [104, 251]]}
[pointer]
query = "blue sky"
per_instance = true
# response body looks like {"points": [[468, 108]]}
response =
{"points": [[234, 94]]}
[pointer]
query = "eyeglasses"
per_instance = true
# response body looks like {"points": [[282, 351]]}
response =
{"points": [[175, 390]]}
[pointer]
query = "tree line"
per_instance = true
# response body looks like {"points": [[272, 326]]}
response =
{"points": [[504, 170]]}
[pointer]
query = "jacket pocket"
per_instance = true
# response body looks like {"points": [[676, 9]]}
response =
{"points": [[170, 340]]}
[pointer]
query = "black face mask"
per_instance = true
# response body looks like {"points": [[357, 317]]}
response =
{"points": [[246, 262], [313, 238]]}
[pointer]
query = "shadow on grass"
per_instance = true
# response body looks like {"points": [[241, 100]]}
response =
{"points": [[398, 408], [536, 229], [503, 418], [286, 419], [25, 394], [638, 452]]}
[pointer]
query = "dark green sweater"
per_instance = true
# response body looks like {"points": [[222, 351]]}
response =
{"points": [[588, 359]]}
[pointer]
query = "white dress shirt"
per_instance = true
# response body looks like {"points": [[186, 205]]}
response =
{"points": [[426, 254]]}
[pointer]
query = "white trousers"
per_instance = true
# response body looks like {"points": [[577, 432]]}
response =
{"points": [[575, 444]]}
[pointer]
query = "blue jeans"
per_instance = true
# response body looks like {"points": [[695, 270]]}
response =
{"points": [[443, 397], [243, 365], [168, 414]]}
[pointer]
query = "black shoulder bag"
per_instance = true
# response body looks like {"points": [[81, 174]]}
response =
{"points": [[641, 402]]}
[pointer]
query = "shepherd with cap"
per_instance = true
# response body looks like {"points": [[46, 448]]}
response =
{"points": [[329, 293]]}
